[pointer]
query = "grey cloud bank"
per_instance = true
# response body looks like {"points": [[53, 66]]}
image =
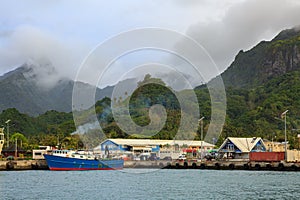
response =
{"points": [[243, 26], [64, 32]]}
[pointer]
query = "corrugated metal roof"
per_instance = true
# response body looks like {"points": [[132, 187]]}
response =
{"points": [[148, 142], [244, 144]]}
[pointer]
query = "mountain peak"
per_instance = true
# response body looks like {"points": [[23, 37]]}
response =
{"points": [[288, 33], [34, 90], [265, 61], [41, 67]]}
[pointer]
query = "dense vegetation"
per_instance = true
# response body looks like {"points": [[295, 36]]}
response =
{"points": [[260, 84], [256, 112], [252, 112]]}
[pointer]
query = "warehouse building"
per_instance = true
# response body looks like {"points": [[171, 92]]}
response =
{"points": [[162, 148], [239, 148]]}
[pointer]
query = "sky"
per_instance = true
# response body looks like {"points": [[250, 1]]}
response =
{"points": [[65, 32]]}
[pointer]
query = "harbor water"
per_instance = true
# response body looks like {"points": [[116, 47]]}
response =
{"points": [[149, 184]]}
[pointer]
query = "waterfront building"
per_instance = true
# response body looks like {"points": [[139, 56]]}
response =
{"points": [[1, 140], [38, 154], [162, 148], [275, 146], [239, 148], [14, 150], [293, 155]]}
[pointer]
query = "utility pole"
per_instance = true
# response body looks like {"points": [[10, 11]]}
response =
{"points": [[201, 126], [285, 138], [7, 124], [16, 148]]}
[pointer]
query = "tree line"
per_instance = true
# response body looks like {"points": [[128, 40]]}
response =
{"points": [[250, 113]]}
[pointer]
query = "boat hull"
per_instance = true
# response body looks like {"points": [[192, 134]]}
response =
{"points": [[59, 163]]}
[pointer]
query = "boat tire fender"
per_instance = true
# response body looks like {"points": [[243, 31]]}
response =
{"points": [[281, 166], [194, 165], [202, 166], [9, 165], [161, 165], [185, 164], [257, 166]]}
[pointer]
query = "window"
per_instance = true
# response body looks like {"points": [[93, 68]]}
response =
{"points": [[38, 153], [230, 146]]}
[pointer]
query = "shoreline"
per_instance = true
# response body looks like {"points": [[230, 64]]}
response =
{"points": [[18, 165]]}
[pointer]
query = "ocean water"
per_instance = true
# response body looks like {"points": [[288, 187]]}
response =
{"points": [[149, 184]]}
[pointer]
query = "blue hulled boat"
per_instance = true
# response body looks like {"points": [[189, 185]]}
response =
{"points": [[68, 160]]}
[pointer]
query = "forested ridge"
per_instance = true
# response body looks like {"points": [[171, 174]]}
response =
{"points": [[260, 84]]}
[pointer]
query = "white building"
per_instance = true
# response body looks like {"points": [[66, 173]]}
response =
{"points": [[162, 148], [239, 148], [38, 154]]}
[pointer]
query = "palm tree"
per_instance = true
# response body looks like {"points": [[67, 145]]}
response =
{"points": [[19, 137]]}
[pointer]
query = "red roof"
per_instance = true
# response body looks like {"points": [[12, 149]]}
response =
{"points": [[190, 150]]}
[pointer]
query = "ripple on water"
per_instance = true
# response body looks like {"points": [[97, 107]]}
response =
{"points": [[150, 184]]}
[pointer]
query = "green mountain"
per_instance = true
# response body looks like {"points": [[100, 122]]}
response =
{"points": [[260, 84], [267, 60], [20, 90]]}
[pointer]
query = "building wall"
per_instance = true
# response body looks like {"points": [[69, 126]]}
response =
{"points": [[293, 155], [38, 154], [231, 151], [275, 146], [241, 156], [161, 151], [260, 146], [230, 147], [156, 148], [111, 146]]}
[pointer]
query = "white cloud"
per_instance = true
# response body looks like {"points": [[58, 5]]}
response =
{"points": [[65, 31], [243, 26], [29, 43]]}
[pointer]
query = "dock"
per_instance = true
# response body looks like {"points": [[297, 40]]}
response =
{"points": [[23, 165], [15, 165], [215, 165], [235, 165]]}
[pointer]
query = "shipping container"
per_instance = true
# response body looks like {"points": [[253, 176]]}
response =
{"points": [[266, 156], [293, 156]]}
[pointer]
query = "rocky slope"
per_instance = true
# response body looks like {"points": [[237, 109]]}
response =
{"points": [[267, 60]]}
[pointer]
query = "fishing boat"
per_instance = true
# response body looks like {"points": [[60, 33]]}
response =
{"points": [[74, 160]]}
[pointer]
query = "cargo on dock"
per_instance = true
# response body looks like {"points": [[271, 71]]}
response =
{"points": [[267, 156]]}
